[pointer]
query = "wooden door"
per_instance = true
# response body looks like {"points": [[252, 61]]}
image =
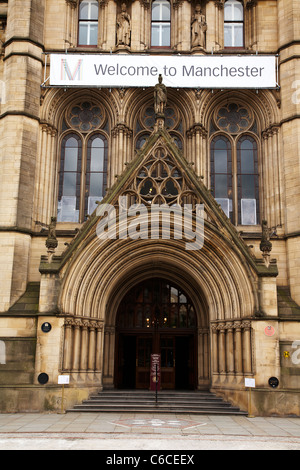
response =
{"points": [[167, 350], [143, 357]]}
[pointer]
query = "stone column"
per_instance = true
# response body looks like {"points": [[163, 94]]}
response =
{"points": [[247, 352], [76, 349], [238, 358], [68, 346], [222, 350], [84, 350], [92, 350], [185, 20], [229, 349], [214, 330], [99, 353]]}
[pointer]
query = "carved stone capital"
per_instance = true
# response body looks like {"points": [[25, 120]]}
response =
{"points": [[73, 3]]}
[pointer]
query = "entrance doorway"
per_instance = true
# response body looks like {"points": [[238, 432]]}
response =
{"points": [[156, 317]]}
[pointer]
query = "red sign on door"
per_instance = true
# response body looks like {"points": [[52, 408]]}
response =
{"points": [[155, 372]]}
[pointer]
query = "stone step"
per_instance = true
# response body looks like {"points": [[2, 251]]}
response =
{"points": [[140, 401]]}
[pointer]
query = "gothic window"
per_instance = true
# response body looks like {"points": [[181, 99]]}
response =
{"points": [[159, 181], [95, 171], [221, 173], [153, 303], [83, 163], [88, 23], [233, 24], [234, 164], [247, 181], [161, 24], [145, 125]]}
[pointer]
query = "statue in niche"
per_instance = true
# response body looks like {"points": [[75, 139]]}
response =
{"points": [[199, 28], [123, 27], [160, 97]]}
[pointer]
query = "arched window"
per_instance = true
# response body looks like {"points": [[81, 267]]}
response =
{"points": [[247, 181], [146, 121], [96, 171], [69, 179], [233, 24], [234, 163], [88, 23], [161, 24], [83, 162], [221, 173]]}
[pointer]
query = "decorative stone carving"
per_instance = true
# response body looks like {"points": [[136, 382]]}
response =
{"points": [[51, 242], [265, 244], [199, 28], [123, 27], [160, 97]]}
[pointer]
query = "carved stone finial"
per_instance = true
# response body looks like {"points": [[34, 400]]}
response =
{"points": [[265, 244], [51, 242]]}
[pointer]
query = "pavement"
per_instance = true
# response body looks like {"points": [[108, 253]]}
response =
{"points": [[139, 432]]}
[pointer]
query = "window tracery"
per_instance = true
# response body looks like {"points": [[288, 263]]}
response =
{"points": [[83, 161], [160, 181], [234, 163], [146, 121]]}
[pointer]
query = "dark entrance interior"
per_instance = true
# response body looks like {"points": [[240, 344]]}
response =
{"points": [[182, 352], [127, 357], [156, 317]]}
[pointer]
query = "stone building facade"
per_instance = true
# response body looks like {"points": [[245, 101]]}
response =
{"points": [[73, 303]]}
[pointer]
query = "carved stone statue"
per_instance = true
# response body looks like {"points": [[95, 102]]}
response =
{"points": [[265, 244], [51, 242], [123, 27], [199, 28], [160, 97]]}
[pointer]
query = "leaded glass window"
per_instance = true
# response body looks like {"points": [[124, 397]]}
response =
{"points": [[221, 173], [156, 303], [234, 163], [83, 162], [247, 180]]}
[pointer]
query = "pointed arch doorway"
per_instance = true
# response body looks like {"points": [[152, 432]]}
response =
{"points": [[156, 316]]}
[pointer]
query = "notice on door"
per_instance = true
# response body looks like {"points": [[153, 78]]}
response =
{"points": [[155, 373]]}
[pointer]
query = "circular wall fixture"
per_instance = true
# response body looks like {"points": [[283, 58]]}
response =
{"points": [[43, 378], [273, 382], [46, 327], [269, 331]]}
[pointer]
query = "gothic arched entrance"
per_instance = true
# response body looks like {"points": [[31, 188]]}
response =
{"points": [[156, 316]]}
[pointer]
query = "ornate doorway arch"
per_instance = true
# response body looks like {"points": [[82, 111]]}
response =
{"points": [[156, 316]]}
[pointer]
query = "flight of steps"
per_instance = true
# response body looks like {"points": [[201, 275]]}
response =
{"points": [[190, 402]]}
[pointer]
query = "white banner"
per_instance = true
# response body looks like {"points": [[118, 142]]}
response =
{"points": [[114, 70]]}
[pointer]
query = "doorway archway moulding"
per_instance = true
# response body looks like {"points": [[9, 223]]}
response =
{"points": [[224, 279]]}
